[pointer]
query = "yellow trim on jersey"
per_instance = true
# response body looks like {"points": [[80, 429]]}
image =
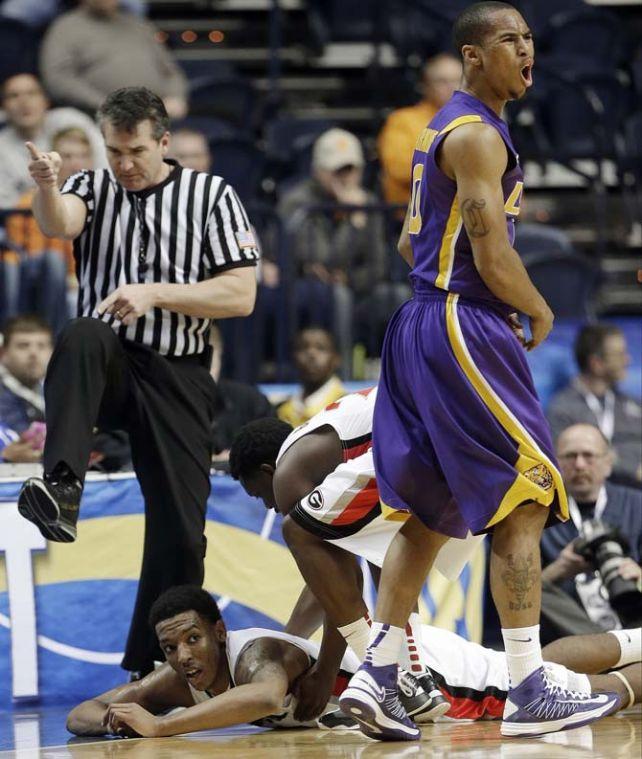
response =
{"points": [[460, 121], [425, 140], [511, 206], [537, 479], [447, 249], [392, 514]]}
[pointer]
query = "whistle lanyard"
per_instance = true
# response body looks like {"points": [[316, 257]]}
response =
{"points": [[574, 510]]}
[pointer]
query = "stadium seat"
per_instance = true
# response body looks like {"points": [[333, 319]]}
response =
{"points": [[240, 163], [590, 33], [535, 239], [18, 48], [567, 282], [211, 127], [229, 98]]}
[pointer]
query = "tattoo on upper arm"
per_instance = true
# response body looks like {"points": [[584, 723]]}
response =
{"points": [[472, 212]]}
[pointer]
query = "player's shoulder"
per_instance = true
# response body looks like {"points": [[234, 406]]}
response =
{"points": [[478, 135]]}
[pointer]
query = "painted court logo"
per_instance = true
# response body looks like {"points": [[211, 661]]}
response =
{"points": [[540, 475], [315, 500]]}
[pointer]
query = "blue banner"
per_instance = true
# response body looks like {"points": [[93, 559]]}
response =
{"points": [[67, 642]]}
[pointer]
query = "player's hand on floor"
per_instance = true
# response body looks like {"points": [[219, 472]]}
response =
{"points": [[312, 692], [131, 720]]}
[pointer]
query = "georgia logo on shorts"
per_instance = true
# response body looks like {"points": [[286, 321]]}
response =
{"points": [[315, 499]]}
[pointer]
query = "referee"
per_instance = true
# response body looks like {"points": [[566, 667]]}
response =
{"points": [[160, 251]]}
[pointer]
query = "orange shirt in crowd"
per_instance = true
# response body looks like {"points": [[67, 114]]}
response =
{"points": [[396, 143], [23, 231]]}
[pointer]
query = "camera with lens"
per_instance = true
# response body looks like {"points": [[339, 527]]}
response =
{"points": [[605, 548]]}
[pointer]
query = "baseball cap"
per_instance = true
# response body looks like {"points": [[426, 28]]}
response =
{"points": [[336, 148]]}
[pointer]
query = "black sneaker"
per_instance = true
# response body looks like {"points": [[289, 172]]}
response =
{"points": [[421, 697], [336, 720], [52, 504]]}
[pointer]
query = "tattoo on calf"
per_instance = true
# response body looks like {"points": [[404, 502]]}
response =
{"points": [[520, 578], [473, 218]]}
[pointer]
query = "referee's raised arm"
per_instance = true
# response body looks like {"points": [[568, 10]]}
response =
{"points": [[56, 215]]}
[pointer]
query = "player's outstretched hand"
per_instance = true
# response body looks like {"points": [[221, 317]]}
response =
{"points": [[43, 167], [541, 325], [312, 691], [131, 719]]}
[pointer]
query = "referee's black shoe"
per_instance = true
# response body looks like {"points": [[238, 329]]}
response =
{"points": [[52, 504], [420, 696]]}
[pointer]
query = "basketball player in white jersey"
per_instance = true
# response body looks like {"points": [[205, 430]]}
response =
{"points": [[246, 676], [321, 477]]}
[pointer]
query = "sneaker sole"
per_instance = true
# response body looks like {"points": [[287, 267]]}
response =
{"points": [[373, 723], [430, 715], [535, 729], [36, 504]]}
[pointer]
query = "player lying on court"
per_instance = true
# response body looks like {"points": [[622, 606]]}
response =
{"points": [[321, 477], [229, 678]]}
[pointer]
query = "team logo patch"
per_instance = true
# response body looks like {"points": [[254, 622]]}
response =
{"points": [[540, 475], [315, 500]]}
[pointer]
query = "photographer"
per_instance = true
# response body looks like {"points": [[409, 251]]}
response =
{"points": [[575, 598]]}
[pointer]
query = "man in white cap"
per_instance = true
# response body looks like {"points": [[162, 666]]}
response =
{"points": [[340, 252]]}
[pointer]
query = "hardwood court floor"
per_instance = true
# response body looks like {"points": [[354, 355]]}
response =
{"points": [[36, 735]]}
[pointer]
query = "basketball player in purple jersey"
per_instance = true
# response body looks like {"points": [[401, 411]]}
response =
{"points": [[460, 439]]}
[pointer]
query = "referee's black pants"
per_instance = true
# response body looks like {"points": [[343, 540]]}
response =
{"points": [[96, 379]]}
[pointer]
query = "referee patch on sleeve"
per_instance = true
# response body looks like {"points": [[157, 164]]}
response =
{"points": [[245, 238]]}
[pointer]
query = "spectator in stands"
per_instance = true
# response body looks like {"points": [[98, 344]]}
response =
{"points": [[38, 13], [440, 78], [593, 397], [235, 404], [189, 147], [316, 360], [29, 118], [37, 276], [573, 601], [345, 250], [97, 48], [26, 350]]}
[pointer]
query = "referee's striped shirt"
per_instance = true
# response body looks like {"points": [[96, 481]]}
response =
{"points": [[186, 229]]}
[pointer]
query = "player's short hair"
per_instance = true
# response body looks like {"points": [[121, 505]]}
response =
{"points": [[26, 323], [474, 22], [258, 442], [590, 342], [182, 598], [129, 106]]}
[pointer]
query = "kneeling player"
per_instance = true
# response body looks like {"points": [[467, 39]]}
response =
{"points": [[321, 478], [229, 678]]}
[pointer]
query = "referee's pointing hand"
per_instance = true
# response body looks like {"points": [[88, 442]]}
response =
{"points": [[44, 167]]}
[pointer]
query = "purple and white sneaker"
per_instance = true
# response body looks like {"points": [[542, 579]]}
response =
{"points": [[539, 705], [372, 699]]}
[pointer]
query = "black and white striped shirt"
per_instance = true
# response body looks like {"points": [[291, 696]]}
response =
{"points": [[187, 229]]}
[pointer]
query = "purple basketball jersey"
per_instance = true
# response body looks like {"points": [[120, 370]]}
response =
{"points": [[442, 251]]}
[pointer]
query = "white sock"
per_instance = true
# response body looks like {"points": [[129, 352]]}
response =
{"points": [[384, 645], [630, 646], [416, 659], [523, 652], [356, 635]]}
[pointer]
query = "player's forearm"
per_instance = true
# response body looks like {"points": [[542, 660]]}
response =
{"points": [[333, 647], [225, 296], [245, 703], [586, 654], [50, 213], [87, 719], [505, 276], [556, 571], [307, 615]]}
